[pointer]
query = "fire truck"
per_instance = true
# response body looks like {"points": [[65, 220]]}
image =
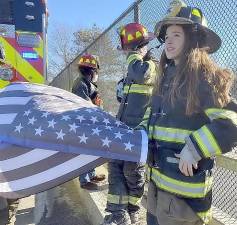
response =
{"points": [[23, 35]]}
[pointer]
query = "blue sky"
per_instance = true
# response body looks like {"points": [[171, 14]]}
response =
{"points": [[84, 13]]}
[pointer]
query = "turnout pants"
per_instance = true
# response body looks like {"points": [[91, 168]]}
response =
{"points": [[126, 186], [164, 208]]}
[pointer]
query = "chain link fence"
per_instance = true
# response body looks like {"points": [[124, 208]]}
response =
{"points": [[221, 17]]}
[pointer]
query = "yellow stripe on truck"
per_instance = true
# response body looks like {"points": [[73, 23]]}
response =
{"points": [[21, 65], [3, 83]]}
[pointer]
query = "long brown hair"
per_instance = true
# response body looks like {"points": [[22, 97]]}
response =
{"points": [[195, 64]]}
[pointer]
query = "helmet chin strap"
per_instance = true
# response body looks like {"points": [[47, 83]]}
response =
{"points": [[195, 32]]}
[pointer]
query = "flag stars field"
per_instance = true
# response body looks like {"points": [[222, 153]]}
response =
{"points": [[66, 133]]}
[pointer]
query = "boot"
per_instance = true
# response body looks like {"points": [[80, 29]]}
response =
{"points": [[117, 218], [134, 217]]}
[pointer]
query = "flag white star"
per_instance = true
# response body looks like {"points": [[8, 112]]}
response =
{"points": [[32, 120], [96, 131], [108, 127], [130, 131], [60, 135], [128, 146], [94, 119], [26, 113], [38, 131], [118, 135], [106, 142], [89, 110], [66, 118], [106, 121], [83, 138], [73, 127], [118, 123], [18, 128], [51, 123], [45, 114], [81, 118]]}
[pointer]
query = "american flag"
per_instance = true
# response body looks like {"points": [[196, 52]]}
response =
{"points": [[49, 136]]}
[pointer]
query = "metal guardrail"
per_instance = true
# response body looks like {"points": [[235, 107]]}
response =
{"points": [[220, 15]]}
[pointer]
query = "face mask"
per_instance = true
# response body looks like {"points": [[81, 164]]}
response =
{"points": [[95, 78]]}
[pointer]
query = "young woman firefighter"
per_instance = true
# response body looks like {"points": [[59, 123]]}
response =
{"points": [[192, 119], [86, 88], [126, 179]]}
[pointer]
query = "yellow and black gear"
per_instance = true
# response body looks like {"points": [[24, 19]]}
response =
{"points": [[170, 129], [133, 36], [181, 14]]}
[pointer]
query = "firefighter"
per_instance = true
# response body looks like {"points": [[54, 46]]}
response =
{"points": [[126, 179], [192, 119], [86, 88]]}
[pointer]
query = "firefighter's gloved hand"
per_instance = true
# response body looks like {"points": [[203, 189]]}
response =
{"points": [[187, 161]]}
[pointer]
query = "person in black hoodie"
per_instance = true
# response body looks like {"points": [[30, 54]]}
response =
{"points": [[86, 88]]}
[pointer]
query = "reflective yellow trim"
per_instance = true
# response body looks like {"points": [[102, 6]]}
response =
{"points": [[134, 200], [214, 113], [151, 130], [138, 88], [152, 66], [213, 141], [171, 134], [22, 66], [147, 113], [117, 199], [134, 57], [207, 142], [197, 190], [206, 217]]}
